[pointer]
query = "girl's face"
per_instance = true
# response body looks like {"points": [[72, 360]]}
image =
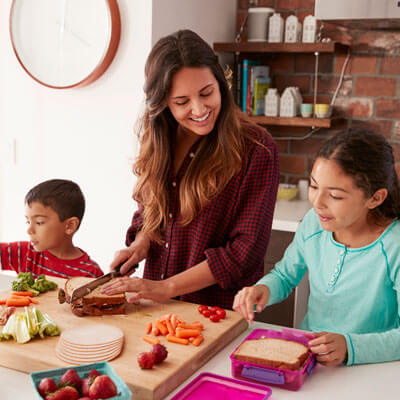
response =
{"points": [[339, 203], [195, 99]]}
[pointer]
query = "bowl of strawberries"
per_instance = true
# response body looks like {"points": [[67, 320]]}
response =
{"points": [[83, 382]]}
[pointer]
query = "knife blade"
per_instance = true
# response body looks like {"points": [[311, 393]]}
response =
{"points": [[84, 290]]}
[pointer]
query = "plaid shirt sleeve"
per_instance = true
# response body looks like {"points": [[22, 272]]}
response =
{"points": [[136, 223], [252, 220]]}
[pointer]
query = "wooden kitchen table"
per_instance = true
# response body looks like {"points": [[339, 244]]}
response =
{"points": [[366, 382]]}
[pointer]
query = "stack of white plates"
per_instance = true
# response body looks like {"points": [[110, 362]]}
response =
{"points": [[90, 344]]}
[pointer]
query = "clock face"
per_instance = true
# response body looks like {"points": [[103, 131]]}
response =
{"points": [[64, 43]]}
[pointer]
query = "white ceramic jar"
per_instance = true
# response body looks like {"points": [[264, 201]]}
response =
{"points": [[271, 103]]}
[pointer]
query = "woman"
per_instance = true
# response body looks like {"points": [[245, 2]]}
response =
{"points": [[206, 183]]}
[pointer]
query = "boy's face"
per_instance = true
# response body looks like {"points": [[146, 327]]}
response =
{"points": [[45, 229]]}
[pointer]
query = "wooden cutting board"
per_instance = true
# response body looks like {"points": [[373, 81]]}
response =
{"points": [[153, 384]]}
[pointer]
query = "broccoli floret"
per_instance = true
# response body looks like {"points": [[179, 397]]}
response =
{"points": [[26, 277], [22, 286], [43, 285]]}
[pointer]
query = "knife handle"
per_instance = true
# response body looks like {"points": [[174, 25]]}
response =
{"points": [[118, 267]]}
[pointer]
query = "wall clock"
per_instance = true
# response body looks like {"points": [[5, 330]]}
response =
{"points": [[65, 43]]}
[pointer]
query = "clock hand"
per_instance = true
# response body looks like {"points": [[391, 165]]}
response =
{"points": [[66, 28]]}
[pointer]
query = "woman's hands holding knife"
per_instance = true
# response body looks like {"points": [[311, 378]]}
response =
{"points": [[131, 255], [141, 288]]}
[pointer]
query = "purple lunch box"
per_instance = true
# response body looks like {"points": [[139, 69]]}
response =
{"points": [[283, 378], [212, 386]]}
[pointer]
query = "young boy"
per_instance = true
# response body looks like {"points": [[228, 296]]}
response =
{"points": [[53, 211]]}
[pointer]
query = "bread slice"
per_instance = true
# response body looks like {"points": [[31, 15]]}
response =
{"points": [[93, 298], [277, 353], [94, 303]]}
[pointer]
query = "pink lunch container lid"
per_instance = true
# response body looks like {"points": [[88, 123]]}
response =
{"points": [[213, 386]]}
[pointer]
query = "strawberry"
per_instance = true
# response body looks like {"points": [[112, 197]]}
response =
{"points": [[47, 386], [65, 393], [102, 388], [70, 378], [160, 353], [93, 374], [85, 386], [146, 360]]}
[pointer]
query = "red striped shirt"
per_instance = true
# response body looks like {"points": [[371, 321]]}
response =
{"points": [[21, 257], [231, 233]]}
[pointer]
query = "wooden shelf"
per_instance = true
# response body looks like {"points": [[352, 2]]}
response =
{"points": [[295, 121], [265, 47]]}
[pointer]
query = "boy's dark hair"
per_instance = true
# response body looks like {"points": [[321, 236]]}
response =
{"points": [[368, 158], [63, 196]]}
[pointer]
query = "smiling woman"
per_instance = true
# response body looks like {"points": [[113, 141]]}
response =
{"points": [[206, 182]]}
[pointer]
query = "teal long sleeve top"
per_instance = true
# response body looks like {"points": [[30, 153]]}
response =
{"points": [[353, 291]]}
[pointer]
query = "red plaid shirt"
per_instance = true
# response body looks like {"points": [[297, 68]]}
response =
{"points": [[232, 232]]}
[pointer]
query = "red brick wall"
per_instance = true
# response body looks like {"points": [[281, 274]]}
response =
{"points": [[369, 95]]}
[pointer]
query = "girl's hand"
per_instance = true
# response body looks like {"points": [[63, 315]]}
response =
{"points": [[248, 297], [133, 254], [330, 348], [158, 291]]}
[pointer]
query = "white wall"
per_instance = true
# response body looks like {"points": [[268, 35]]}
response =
{"points": [[83, 134], [86, 134]]}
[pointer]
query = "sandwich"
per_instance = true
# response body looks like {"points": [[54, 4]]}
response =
{"points": [[94, 303], [277, 353]]}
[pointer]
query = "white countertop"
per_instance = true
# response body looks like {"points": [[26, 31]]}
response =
{"points": [[366, 382], [288, 214]]}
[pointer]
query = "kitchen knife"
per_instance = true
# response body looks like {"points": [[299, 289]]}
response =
{"points": [[89, 287]]}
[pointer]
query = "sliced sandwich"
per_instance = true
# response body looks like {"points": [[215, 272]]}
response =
{"points": [[94, 303], [277, 353]]}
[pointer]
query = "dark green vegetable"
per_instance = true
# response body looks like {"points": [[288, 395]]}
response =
{"points": [[26, 282]]}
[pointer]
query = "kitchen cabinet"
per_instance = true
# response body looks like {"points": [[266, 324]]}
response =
{"points": [[287, 217], [257, 50]]}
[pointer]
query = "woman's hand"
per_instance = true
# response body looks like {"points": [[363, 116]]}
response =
{"points": [[330, 348], [158, 291], [133, 254], [248, 297]]}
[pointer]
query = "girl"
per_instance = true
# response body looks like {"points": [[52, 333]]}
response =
{"points": [[206, 183], [350, 244]]}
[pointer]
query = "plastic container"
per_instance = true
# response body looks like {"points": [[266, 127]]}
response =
{"points": [[212, 386], [83, 371], [283, 378]]}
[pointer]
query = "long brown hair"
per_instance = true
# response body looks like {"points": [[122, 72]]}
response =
{"points": [[220, 155]]}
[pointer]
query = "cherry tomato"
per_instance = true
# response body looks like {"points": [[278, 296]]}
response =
{"points": [[214, 309], [207, 313], [221, 313], [202, 308], [214, 318]]}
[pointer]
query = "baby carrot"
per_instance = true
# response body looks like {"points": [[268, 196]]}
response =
{"points": [[32, 300], [155, 331], [174, 322], [198, 340], [163, 329], [198, 326], [14, 302], [169, 327], [3, 301], [25, 293], [149, 328], [186, 333], [150, 339], [174, 339]]}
